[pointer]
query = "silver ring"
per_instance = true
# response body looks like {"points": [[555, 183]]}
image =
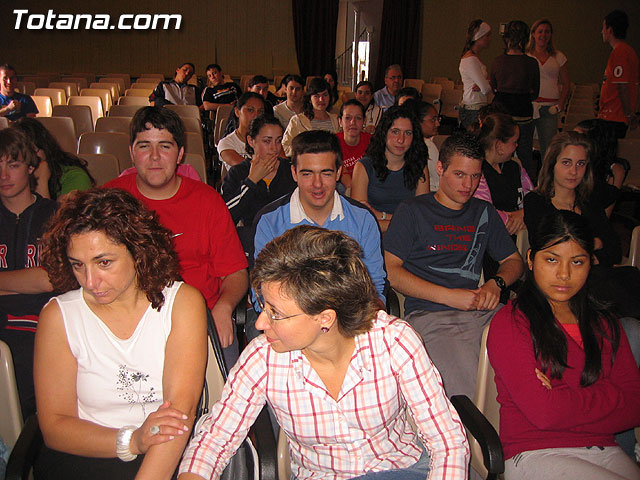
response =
{"points": [[155, 430]]}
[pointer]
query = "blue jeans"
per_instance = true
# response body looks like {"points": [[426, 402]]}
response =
{"points": [[417, 471], [547, 127]]}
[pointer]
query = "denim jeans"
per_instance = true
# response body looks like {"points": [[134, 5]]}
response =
{"points": [[547, 127], [417, 471]]}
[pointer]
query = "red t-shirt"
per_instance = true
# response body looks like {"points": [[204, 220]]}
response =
{"points": [[351, 155], [205, 238], [622, 67]]}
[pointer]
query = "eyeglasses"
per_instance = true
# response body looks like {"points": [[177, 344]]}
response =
{"points": [[272, 316]]}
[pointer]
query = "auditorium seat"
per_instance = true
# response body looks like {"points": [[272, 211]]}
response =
{"points": [[103, 93], [185, 110], [103, 167], [144, 85], [138, 92], [133, 100], [122, 86], [126, 78], [81, 115], [80, 82], [113, 88], [416, 83], [113, 124], [44, 104], [197, 162], [70, 88], [107, 142], [431, 92], [95, 103], [57, 95], [26, 87], [63, 130], [4, 123], [124, 110]]}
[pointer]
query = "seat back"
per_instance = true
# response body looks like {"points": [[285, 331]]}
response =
{"points": [[113, 124], [133, 100], [40, 81], [450, 99], [284, 460], [122, 86], [58, 95], [63, 130], [486, 400], [103, 93], [10, 413], [124, 110], [4, 123], [138, 92], [629, 149], [81, 115], [431, 92], [193, 143], [416, 83], [103, 167], [95, 103], [113, 88], [81, 82], [185, 111], [222, 115], [154, 78], [126, 78], [44, 105], [70, 88], [197, 162], [522, 243], [192, 125], [143, 85], [26, 87], [634, 248], [107, 142]]}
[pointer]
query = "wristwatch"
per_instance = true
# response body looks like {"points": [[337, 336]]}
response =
{"points": [[500, 282]]}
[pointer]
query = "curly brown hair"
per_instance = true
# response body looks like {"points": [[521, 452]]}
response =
{"points": [[123, 219]]}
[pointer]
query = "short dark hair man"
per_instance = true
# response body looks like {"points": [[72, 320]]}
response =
{"points": [[294, 87], [619, 92], [210, 254], [434, 250], [260, 84], [23, 215], [13, 105], [177, 91], [218, 92], [386, 96], [316, 167]]}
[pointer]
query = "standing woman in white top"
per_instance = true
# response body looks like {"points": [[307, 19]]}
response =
{"points": [[554, 82], [232, 148], [474, 73], [120, 355], [314, 114]]}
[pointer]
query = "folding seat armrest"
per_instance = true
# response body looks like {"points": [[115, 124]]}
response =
{"points": [[482, 430]]}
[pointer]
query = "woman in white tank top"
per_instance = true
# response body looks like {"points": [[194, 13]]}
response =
{"points": [[119, 361]]}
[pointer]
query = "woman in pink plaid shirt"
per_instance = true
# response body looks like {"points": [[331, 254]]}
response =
{"points": [[338, 373]]}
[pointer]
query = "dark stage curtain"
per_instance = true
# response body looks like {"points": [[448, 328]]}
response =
{"points": [[399, 38], [314, 28]]}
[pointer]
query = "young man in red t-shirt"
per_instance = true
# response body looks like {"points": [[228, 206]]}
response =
{"points": [[620, 86]]}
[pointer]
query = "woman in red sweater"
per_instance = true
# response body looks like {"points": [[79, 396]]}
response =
{"points": [[565, 374]]}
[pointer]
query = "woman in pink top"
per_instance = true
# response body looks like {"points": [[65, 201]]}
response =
{"points": [[564, 371]]}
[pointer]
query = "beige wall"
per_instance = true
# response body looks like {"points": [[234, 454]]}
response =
{"points": [[243, 36], [577, 25], [256, 36]]}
